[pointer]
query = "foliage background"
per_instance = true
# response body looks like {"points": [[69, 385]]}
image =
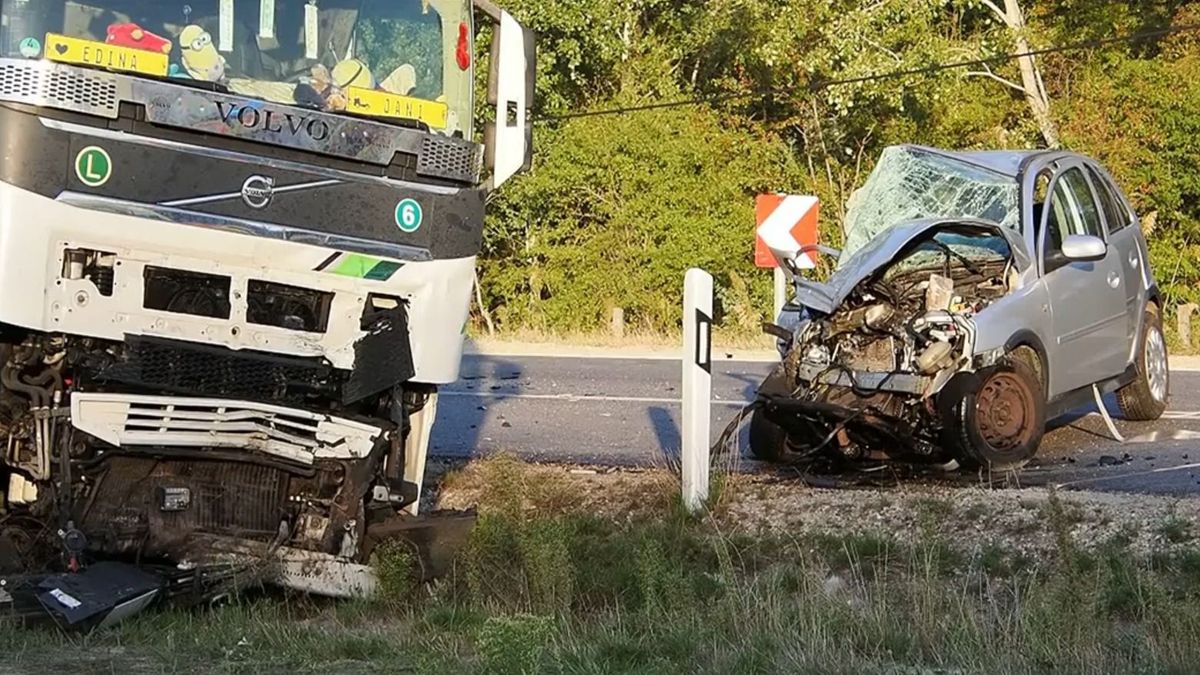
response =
{"points": [[618, 206]]}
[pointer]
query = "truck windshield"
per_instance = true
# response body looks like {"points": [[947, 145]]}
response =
{"points": [[403, 60]]}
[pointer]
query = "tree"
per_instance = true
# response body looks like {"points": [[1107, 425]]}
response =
{"points": [[1032, 85]]}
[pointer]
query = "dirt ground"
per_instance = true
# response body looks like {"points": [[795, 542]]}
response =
{"points": [[970, 518]]}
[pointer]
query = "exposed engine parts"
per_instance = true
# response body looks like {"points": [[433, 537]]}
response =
{"points": [[114, 466], [868, 378]]}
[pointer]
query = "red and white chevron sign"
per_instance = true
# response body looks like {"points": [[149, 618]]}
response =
{"points": [[786, 223]]}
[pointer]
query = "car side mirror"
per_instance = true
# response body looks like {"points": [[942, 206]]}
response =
{"points": [[1084, 248], [1077, 248]]}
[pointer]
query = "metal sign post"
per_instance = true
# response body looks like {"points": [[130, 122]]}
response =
{"points": [[697, 386], [780, 293]]}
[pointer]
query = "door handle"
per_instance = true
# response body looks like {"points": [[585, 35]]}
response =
{"points": [[1114, 279], [1134, 260]]}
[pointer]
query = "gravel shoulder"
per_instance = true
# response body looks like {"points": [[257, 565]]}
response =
{"points": [[1025, 521]]}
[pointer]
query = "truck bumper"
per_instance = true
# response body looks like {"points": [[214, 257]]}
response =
{"points": [[37, 232]]}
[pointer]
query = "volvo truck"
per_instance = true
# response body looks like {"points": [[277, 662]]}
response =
{"points": [[237, 248]]}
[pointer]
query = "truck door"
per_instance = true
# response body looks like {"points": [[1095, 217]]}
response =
{"points": [[1124, 239], [1087, 299]]}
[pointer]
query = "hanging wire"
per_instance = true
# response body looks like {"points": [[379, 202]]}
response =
{"points": [[819, 84]]}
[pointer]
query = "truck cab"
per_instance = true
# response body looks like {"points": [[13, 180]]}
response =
{"points": [[237, 246]]}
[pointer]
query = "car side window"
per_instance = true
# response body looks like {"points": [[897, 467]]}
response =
{"points": [[1072, 210], [1114, 214]]}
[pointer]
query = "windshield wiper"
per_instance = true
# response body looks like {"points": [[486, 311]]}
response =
{"points": [[971, 266], [406, 122], [206, 85]]}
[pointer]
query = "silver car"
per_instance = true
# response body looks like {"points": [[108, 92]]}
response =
{"points": [[979, 294]]}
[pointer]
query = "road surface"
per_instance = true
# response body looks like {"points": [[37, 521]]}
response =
{"points": [[626, 411]]}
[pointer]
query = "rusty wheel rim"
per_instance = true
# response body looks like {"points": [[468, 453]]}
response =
{"points": [[1004, 411]]}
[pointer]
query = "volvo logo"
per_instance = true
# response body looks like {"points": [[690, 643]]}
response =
{"points": [[257, 191], [254, 118]]}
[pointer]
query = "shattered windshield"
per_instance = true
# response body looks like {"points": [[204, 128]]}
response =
{"points": [[910, 184], [398, 60]]}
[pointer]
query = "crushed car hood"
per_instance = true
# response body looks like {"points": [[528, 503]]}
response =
{"points": [[826, 296]]}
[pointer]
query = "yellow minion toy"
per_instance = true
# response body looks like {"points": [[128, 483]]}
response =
{"points": [[200, 56]]}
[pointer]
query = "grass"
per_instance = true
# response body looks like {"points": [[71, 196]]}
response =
{"points": [[554, 590], [1176, 530]]}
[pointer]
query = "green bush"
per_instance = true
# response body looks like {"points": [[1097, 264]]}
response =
{"points": [[618, 208]]}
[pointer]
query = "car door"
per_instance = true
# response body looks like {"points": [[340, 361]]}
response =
{"points": [[1124, 240], [1086, 299]]}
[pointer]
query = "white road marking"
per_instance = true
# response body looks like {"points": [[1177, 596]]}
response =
{"points": [[1171, 415], [720, 355], [1126, 476], [1168, 415], [577, 398], [1179, 364]]}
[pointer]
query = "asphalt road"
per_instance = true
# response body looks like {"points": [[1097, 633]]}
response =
{"points": [[626, 411]]}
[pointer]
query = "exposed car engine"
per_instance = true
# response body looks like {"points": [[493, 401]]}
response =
{"points": [[864, 379]]}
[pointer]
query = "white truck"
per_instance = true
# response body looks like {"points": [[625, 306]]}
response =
{"points": [[237, 247]]}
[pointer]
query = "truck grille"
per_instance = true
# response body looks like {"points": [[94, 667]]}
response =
{"points": [[449, 158], [47, 84], [185, 368], [127, 420], [236, 499]]}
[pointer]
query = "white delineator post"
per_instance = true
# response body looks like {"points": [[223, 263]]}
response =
{"points": [[780, 293], [697, 386]]}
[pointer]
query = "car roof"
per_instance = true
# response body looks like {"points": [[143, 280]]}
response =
{"points": [[1006, 162]]}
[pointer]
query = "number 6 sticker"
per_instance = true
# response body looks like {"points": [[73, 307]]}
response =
{"points": [[409, 215]]}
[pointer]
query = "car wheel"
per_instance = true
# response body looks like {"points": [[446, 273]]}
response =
{"points": [[1145, 399], [1000, 425], [768, 441]]}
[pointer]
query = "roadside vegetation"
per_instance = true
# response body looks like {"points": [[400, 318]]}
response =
{"points": [[618, 206], [549, 585]]}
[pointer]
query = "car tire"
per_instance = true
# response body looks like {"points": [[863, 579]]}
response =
{"points": [[999, 425], [1145, 399], [768, 441]]}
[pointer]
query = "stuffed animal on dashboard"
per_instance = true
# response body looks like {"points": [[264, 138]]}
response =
{"points": [[135, 37], [401, 81], [352, 73], [200, 56], [326, 89]]}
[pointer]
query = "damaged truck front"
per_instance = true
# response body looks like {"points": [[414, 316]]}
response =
{"points": [[978, 293], [237, 246]]}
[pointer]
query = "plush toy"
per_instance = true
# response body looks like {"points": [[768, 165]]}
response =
{"points": [[318, 91], [135, 37], [352, 73], [200, 57], [326, 89], [401, 81]]}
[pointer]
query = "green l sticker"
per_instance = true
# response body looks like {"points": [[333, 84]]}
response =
{"points": [[93, 166]]}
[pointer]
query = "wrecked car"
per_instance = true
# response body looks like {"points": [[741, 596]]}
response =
{"points": [[979, 295]]}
